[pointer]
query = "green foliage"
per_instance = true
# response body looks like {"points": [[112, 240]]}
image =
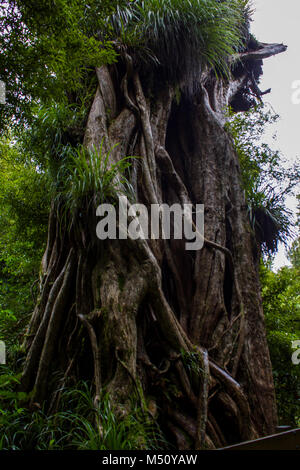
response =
{"points": [[78, 425], [89, 178], [267, 180], [47, 49], [266, 177], [294, 253], [89, 175], [192, 362], [24, 207], [183, 36], [56, 128], [281, 295]]}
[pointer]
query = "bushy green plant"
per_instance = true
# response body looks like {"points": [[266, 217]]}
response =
{"points": [[112, 433], [266, 177], [183, 36]]}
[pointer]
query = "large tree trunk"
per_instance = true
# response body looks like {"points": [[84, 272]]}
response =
{"points": [[131, 314]]}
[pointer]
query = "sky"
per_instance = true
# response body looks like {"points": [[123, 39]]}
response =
{"points": [[278, 21]]}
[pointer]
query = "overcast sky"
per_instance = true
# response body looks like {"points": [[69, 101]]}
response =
{"points": [[278, 21]]}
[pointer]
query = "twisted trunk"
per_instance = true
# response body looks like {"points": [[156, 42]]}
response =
{"points": [[129, 314]]}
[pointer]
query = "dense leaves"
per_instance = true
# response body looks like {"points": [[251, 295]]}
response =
{"points": [[181, 36], [282, 310], [267, 178], [24, 207], [77, 425]]}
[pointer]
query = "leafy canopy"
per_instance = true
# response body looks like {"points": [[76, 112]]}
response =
{"points": [[281, 296]]}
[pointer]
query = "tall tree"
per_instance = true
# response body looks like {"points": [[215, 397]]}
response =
{"points": [[182, 331]]}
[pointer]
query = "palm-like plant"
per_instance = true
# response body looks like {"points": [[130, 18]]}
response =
{"points": [[183, 36]]}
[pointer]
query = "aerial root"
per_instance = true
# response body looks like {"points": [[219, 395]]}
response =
{"points": [[96, 356], [202, 402]]}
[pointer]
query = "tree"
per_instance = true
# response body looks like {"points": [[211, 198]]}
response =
{"points": [[182, 331]]}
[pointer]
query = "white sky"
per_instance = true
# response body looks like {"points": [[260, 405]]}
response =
{"points": [[278, 21]]}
